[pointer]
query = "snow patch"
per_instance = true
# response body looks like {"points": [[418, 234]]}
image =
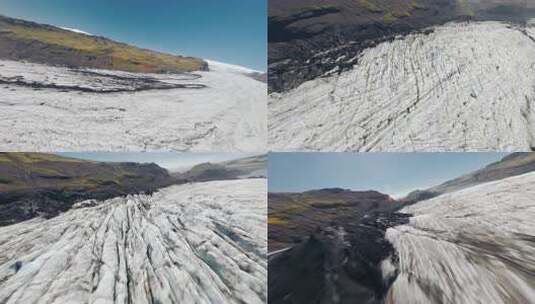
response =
{"points": [[75, 30]]}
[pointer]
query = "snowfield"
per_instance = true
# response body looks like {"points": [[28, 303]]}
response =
{"points": [[471, 246], [463, 87], [195, 243], [59, 109]]}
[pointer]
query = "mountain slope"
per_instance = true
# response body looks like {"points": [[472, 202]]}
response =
{"points": [[33, 184], [24, 40], [511, 165], [197, 243], [293, 217], [328, 245], [249, 167]]}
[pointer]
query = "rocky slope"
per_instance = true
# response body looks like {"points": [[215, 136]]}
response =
{"points": [[194, 243], [327, 246], [45, 185], [293, 217], [456, 87], [40, 43]]}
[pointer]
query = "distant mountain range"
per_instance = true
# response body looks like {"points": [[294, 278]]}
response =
{"points": [[249, 167], [46, 44], [512, 165]]}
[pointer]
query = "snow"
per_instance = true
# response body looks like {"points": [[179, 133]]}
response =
{"points": [[471, 246], [221, 66], [464, 87], [228, 115], [195, 243], [75, 30]]}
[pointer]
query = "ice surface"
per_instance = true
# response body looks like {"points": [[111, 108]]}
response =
{"points": [[466, 86], [195, 243], [471, 246], [58, 109]]}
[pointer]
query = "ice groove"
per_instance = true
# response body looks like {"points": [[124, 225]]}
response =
{"points": [[195, 243]]}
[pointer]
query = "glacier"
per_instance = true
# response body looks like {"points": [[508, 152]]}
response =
{"points": [[467, 86], [191, 243], [51, 109], [475, 245]]}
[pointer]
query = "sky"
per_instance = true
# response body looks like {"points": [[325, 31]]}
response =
{"points": [[169, 160], [395, 174], [230, 31]]}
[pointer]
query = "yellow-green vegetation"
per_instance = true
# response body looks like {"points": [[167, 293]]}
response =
{"points": [[416, 5], [389, 18], [464, 8], [59, 171], [370, 6], [324, 7], [119, 56], [273, 220], [316, 8], [28, 158], [399, 9]]}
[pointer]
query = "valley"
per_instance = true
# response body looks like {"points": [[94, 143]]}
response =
{"points": [[77, 230], [68, 91], [466, 240]]}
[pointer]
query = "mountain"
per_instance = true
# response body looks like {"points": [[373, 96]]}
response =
{"points": [[327, 245], [293, 217], [34, 184], [40, 43], [249, 167], [512, 165]]}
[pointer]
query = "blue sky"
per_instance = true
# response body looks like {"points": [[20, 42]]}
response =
{"points": [[231, 31], [168, 160], [395, 174]]}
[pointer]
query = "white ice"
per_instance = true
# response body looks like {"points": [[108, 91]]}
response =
{"points": [[465, 87], [195, 243], [471, 246], [227, 116]]}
